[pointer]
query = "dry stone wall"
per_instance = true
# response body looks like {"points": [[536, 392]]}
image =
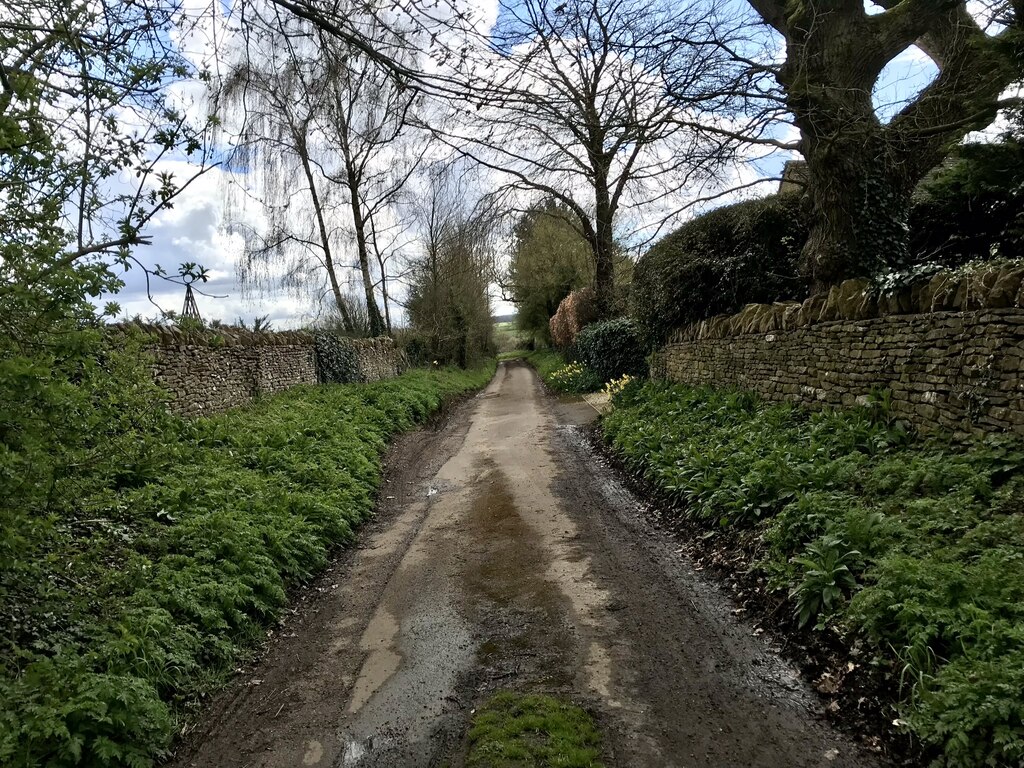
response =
{"points": [[377, 359], [211, 371], [949, 354]]}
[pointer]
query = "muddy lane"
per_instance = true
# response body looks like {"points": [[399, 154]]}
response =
{"points": [[506, 557]]}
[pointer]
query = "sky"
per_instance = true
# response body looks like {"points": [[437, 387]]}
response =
{"points": [[194, 229]]}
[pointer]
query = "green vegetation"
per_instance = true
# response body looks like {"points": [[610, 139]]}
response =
{"points": [[736, 255], [914, 548], [569, 378], [603, 351], [550, 258], [546, 361], [573, 379], [533, 731], [508, 338], [972, 206], [141, 561], [611, 349], [447, 305]]}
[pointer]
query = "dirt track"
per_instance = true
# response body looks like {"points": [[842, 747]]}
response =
{"points": [[506, 556]]}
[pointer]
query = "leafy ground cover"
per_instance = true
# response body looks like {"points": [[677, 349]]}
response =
{"points": [[562, 376], [910, 551], [129, 600], [532, 731]]}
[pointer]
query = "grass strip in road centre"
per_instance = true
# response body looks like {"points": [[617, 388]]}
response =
{"points": [[514, 730], [910, 549], [126, 602]]}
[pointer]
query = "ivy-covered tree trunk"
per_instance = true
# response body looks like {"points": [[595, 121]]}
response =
{"points": [[859, 219], [603, 244], [859, 187], [861, 171]]}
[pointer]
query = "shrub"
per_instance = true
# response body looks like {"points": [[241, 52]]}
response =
{"points": [[574, 312], [913, 549], [611, 349], [573, 378], [719, 262], [560, 376], [971, 207]]}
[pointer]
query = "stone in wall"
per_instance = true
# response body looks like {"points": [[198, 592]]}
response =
{"points": [[997, 287], [379, 359]]}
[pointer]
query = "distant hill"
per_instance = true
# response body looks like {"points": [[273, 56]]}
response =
{"points": [[505, 319]]}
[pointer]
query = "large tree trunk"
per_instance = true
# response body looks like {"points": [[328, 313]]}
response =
{"points": [[859, 203], [603, 246], [861, 172]]}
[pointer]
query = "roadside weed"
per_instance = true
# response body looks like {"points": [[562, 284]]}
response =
{"points": [[128, 602]]}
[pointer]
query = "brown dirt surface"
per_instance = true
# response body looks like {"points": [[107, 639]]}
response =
{"points": [[505, 555]]}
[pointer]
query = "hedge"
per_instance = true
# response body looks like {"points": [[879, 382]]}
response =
{"points": [[715, 264], [612, 348]]}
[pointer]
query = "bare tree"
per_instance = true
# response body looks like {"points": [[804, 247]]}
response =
{"points": [[600, 105], [448, 298], [861, 170], [275, 103]]}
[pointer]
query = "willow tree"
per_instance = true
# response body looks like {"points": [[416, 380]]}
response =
{"points": [[318, 145], [274, 105], [861, 170], [370, 115]]}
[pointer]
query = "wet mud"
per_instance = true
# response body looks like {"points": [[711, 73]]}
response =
{"points": [[506, 556]]}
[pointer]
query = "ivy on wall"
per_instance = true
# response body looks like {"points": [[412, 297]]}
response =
{"points": [[337, 360]]}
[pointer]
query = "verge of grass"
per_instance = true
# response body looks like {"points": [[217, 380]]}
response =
{"points": [[127, 607], [532, 731], [515, 354], [912, 548]]}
